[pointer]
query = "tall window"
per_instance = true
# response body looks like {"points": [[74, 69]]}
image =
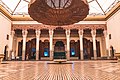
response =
{"points": [[34, 50], [46, 52], [72, 52]]}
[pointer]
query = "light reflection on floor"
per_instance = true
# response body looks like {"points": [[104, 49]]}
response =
{"points": [[79, 70]]}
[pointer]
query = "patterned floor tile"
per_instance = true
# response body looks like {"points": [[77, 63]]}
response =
{"points": [[77, 70]]}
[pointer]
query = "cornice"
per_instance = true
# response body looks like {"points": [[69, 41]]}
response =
{"points": [[95, 18], [28, 18], [21, 18], [75, 26], [5, 12], [113, 11]]}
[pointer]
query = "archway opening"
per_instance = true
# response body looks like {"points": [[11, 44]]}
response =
{"points": [[59, 50]]}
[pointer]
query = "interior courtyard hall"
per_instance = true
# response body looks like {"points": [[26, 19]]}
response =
{"points": [[59, 39]]}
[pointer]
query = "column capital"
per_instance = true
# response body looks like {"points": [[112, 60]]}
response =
{"points": [[93, 32], [24, 32], [80, 32], [37, 33], [12, 33], [67, 32], [51, 32], [105, 33]]}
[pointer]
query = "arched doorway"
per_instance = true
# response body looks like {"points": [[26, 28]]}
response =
{"points": [[59, 50], [88, 49], [31, 49], [44, 48], [5, 53], [74, 48]]}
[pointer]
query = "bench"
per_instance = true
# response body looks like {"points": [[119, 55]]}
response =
{"points": [[118, 56], [1, 57]]}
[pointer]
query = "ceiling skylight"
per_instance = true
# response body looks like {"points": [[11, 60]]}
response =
{"points": [[97, 7]]}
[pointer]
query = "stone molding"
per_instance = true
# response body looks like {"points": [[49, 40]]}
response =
{"points": [[41, 26]]}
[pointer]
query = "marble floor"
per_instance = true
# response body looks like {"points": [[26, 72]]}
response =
{"points": [[73, 70]]}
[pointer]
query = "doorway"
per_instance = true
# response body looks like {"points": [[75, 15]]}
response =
{"points": [[59, 50], [5, 52], [88, 49]]}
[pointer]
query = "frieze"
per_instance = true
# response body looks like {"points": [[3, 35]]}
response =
{"points": [[75, 26]]}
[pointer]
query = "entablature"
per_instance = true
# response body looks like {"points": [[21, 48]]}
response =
{"points": [[75, 26]]}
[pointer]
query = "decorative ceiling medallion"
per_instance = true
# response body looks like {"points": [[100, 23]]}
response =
{"points": [[58, 12]]}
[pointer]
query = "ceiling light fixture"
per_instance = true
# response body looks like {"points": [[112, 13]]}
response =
{"points": [[58, 12]]}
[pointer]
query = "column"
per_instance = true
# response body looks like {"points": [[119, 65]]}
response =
{"points": [[53, 47], [81, 44], [68, 43], [24, 34], [93, 32], [10, 45], [51, 43], [16, 48], [107, 43], [37, 43]]}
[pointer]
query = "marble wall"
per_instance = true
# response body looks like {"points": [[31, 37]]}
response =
{"points": [[113, 27], [5, 28]]}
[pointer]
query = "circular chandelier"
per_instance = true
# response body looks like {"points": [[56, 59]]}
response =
{"points": [[58, 12]]}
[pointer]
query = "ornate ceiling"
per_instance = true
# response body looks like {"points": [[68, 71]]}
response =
{"points": [[97, 7], [58, 12]]}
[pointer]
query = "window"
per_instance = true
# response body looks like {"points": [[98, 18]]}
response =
{"points": [[109, 36], [33, 50], [72, 51], [7, 37], [46, 53]]}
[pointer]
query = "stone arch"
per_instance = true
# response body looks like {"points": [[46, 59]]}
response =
{"points": [[46, 40], [72, 41], [74, 47], [59, 46]]}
